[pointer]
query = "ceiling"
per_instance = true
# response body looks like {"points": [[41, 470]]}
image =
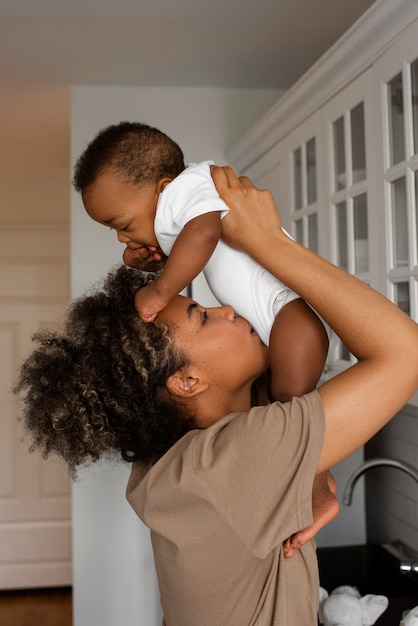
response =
{"points": [[48, 45], [264, 44]]}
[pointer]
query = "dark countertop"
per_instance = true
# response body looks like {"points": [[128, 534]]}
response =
{"points": [[371, 569]]}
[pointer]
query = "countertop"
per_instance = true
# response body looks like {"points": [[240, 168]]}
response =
{"points": [[371, 569]]}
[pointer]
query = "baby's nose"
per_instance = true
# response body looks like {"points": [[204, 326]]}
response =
{"points": [[122, 237]]}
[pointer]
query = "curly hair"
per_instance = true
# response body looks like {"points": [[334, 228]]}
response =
{"points": [[97, 389], [138, 153]]}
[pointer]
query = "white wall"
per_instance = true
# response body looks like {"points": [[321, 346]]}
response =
{"points": [[114, 580]]}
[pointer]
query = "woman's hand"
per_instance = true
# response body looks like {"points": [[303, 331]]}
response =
{"points": [[253, 215]]}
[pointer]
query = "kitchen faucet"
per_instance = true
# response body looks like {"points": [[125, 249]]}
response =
{"points": [[349, 488], [406, 556]]}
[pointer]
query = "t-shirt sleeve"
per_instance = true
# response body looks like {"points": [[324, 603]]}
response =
{"points": [[257, 469]]}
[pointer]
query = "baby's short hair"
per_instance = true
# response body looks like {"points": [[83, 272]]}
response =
{"points": [[139, 153]]}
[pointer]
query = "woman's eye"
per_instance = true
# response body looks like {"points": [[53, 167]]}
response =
{"points": [[205, 317]]}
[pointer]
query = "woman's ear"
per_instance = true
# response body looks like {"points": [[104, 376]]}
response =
{"points": [[184, 386]]}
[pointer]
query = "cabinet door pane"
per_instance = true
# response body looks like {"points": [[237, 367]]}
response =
{"points": [[342, 247], [402, 298], [361, 234], [340, 175], [416, 214], [414, 85], [399, 223], [299, 231], [311, 170], [358, 143], [313, 232], [396, 120], [297, 178]]}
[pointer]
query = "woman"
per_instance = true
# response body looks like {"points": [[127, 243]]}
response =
{"points": [[221, 485]]}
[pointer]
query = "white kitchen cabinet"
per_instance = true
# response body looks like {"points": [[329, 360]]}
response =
{"points": [[347, 136]]}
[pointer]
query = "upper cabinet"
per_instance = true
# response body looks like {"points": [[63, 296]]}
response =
{"points": [[345, 146], [396, 91]]}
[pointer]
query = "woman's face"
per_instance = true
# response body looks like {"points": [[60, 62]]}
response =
{"points": [[224, 348]]}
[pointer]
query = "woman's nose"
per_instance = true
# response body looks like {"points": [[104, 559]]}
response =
{"points": [[227, 312]]}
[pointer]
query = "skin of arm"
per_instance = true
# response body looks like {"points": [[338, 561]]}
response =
{"points": [[189, 255], [361, 400]]}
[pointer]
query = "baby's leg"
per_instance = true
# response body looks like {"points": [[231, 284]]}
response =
{"points": [[298, 350]]}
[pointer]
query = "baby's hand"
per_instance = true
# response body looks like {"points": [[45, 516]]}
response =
{"points": [[149, 302], [143, 258]]}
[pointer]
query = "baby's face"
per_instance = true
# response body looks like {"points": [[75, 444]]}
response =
{"points": [[125, 207]]}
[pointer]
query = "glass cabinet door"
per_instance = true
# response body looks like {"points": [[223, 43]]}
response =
{"points": [[396, 75], [349, 197], [305, 196], [344, 124], [303, 150], [304, 174], [348, 192]]}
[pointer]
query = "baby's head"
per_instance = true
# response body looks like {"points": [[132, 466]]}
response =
{"points": [[138, 153], [121, 174]]}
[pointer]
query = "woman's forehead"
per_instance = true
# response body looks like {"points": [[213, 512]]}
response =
{"points": [[180, 308]]}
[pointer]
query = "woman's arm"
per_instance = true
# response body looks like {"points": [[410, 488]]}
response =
{"points": [[189, 255], [359, 401]]}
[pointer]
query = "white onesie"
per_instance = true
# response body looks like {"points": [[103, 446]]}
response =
{"points": [[233, 276]]}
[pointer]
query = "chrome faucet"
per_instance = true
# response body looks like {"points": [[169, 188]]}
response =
{"points": [[406, 557], [349, 488]]}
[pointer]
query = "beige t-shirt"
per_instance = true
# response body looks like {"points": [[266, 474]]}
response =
{"points": [[220, 503]]}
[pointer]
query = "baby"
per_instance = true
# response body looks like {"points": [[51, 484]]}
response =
{"points": [[132, 178]]}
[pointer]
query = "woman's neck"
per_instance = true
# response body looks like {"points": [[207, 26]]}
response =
{"points": [[213, 405]]}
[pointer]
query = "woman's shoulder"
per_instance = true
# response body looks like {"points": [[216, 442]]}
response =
{"points": [[259, 428]]}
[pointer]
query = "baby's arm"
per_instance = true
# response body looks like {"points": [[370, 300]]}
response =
{"points": [[298, 350], [189, 255]]}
